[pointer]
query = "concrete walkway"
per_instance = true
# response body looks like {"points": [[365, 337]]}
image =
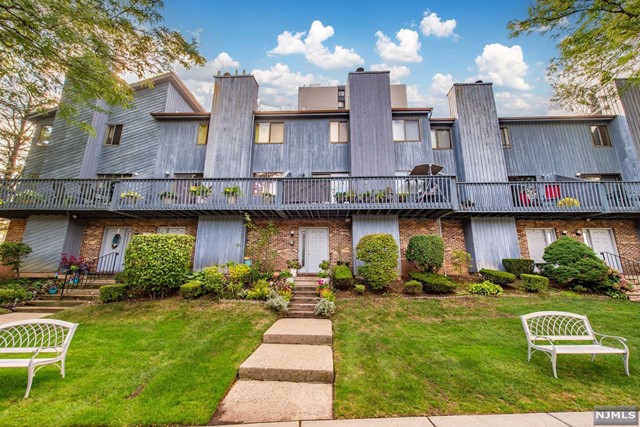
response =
{"points": [[555, 419], [288, 378], [14, 317]]}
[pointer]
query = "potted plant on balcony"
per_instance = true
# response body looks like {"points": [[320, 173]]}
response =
{"points": [[200, 192], [345, 197], [168, 197], [293, 265], [130, 197], [28, 197], [267, 198], [403, 197], [568, 202], [232, 194], [383, 196], [366, 197]]}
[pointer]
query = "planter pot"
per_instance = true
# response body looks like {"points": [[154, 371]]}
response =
{"points": [[168, 201], [268, 200], [294, 272], [290, 280], [53, 290], [232, 200], [201, 200]]}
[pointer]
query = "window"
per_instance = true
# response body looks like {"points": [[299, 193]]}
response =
{"points": [[203, 133], [113, 135], [340, 105], [341, 94], [44, 135], [406, 130], [269, 133], [505, 138], [339, 133], [172, 230], [600, 136], [600, 177], [268, 186], [441, 139]]}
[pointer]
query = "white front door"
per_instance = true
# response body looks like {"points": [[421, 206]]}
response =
{"points": [[313, 248], [602, 240], [537, 240], [114, 241]]}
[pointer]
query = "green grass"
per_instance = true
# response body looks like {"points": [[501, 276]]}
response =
{"points": [[144, 363], [400, 357]]}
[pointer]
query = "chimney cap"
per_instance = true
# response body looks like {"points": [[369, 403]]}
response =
{"points": [[359, 70], [479, 81]]}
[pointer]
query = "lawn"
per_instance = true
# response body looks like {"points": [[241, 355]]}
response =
{"points": [[398, 356], [161, 362]]}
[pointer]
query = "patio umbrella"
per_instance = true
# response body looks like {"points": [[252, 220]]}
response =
{"points": [[426, 169]]}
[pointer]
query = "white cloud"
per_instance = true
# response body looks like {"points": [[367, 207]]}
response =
{"points": [[503, 66], [397, 72], [279, 86], [407, 50], [526, 104], [314, 50], [441, 83], [224, 62], [432, 25]]}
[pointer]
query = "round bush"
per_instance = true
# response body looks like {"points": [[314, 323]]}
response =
{"points": [[534, 283], [412, 287], [426, 252], [113, 293], [572, 261], [496, 276], [485, 288], [433, 283], [192, 289], [518, 266], [342, 277], [379, 252]]}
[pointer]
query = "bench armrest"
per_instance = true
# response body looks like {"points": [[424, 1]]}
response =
{"points": [[603, 337], [39, 350], [543, 337]]}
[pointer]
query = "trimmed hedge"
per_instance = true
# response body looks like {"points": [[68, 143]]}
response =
{"points": [[426, 252], [342, 277], [213, 281], [158, 263], [496, 276], [379, 252], [485, 288], [534, 283], [9, 295], [113, 293], [412, 287], [433, 283], [519, 266], [192, 289]]}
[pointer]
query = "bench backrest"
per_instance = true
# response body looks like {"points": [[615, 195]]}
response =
{"points": [[557, 325], [26, 336]]}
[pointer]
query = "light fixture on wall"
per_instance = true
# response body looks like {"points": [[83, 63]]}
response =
{"points": [[291, 242], [564, 232], [578, 232], [292, 232]]}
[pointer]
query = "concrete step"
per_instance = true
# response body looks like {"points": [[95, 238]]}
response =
{"points": [[306, 287], [289, 362], [54, 303], [295, 314], [300, 331], [305, 299], [301, 306], [30, 309], [273, 401]]}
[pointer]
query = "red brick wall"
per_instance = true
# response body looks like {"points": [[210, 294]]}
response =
{"points": [[624, 232], [14, 234]]}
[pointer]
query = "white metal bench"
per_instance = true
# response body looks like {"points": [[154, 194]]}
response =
{"points": [[37, 337], [551, 327]]}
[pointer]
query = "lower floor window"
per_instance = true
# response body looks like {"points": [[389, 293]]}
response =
{"points": [[172, 230]]}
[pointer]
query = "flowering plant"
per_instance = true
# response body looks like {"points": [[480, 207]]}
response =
{"points": [[131, 195], [200, 190], [72, 263]]}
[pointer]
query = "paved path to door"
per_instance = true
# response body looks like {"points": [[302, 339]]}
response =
{"points": [[288, 378], [14, 317]]}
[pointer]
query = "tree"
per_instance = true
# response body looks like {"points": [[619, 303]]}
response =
{"points": [[597, 41], [11, 254], [88, 45]]}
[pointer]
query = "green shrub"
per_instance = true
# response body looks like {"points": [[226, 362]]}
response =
{"points": [[342, 277], [571, 261], [433, 283], [518, 266], [239, 273], [8, 295], [113, 293], [426, 252], [191, 290], [213, 281], [259, 291], [277, 302], [534, 283], [120, 277], [485, 288], [158, 263], [496, 276], [412, 287], [324, 308], [461, 261], [11, 254], [360, 289], [379, 252]]}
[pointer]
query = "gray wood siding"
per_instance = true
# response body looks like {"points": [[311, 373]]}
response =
{"points": [[372, 150], [306, 149], [625, 102], [630, 97], [37, 153], [140, 134], [235, 99], [562, 148], [220, 239], [94, 143], [46, 234], [175, 102], [490, 240], [374, 224], [178, 151], [480, 157], [73, 239]]}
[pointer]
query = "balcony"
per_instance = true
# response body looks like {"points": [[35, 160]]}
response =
{"points": [[282, 197]]}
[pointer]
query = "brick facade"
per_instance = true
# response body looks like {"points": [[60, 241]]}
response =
{"points": [[624, 232], [339, 239], [15, 230], [452, 234], [94, 231]]}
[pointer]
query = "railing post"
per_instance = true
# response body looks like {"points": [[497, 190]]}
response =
{"points": [[602, 194], [453, 193]]}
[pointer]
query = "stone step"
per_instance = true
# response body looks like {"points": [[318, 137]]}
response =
{"points": [[305, 299], [305, 287], [30, 309], [273, 401], [300, 314], [300, 331], [289, 362], [301, 306], [54, 303]]}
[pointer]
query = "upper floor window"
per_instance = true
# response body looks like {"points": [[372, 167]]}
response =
{"points": [[339, 133], [600, 177], [406, 130], [600, 136], [269, 133], [113, 135], [265, 187], [441, 139], [340, 105], [505, 138], [44, 135], [203, 133], [341, 94]]}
